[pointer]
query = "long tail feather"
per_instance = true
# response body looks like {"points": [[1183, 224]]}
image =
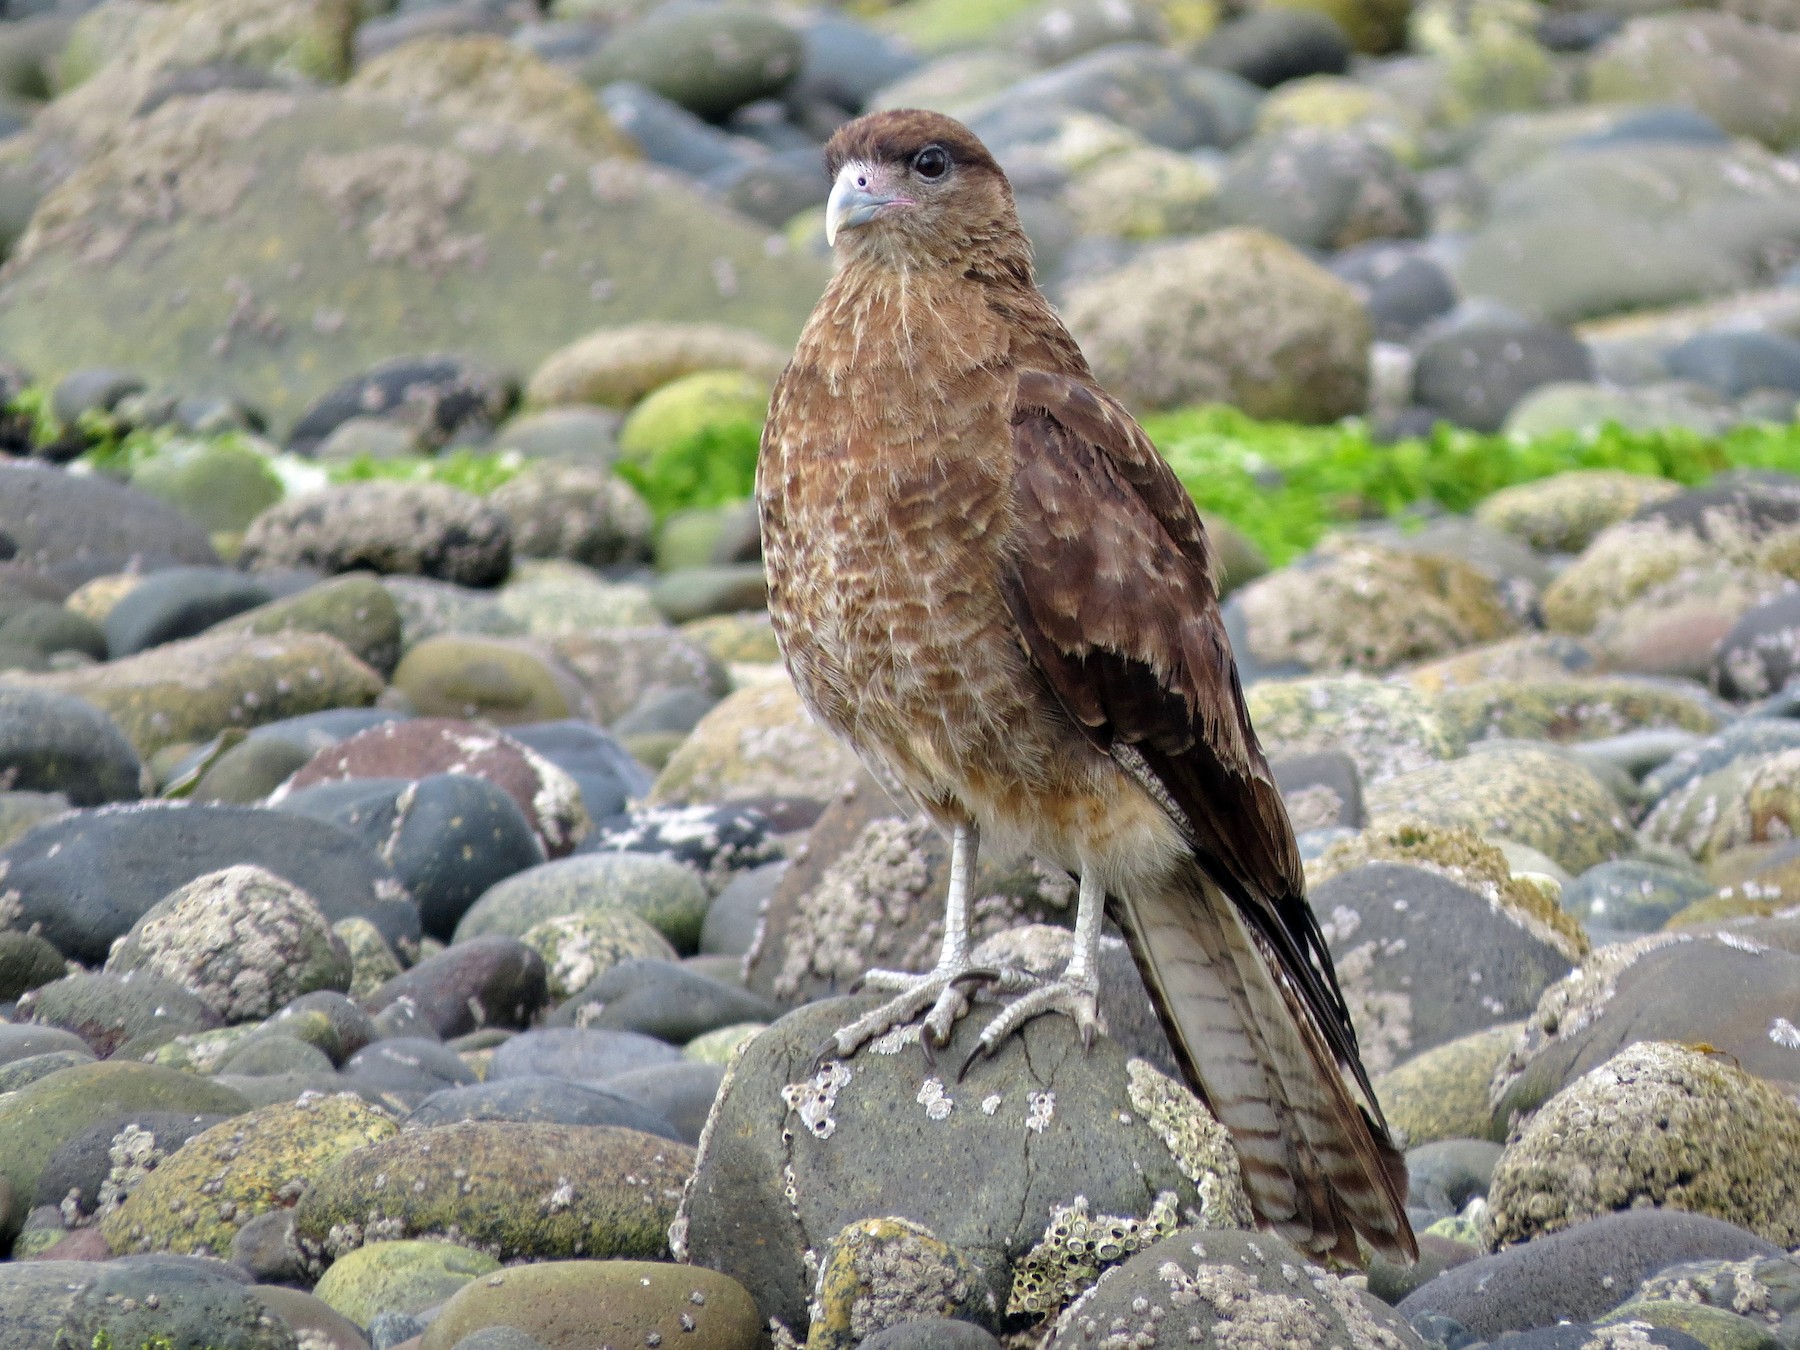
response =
{"points": [[1318, 1164]]}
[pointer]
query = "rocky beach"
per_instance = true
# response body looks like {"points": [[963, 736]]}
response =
{"points": [[423, 895]]}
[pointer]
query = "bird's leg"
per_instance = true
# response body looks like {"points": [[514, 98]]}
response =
{"points": [[1076, 994], [945, 989]]}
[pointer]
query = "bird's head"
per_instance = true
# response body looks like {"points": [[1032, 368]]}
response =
{"points": [[915, 188]]}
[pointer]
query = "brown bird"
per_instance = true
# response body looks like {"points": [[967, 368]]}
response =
{"points": [[987, 581]]}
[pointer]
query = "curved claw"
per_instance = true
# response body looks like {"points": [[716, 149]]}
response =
{"points": [[982, 1049]]}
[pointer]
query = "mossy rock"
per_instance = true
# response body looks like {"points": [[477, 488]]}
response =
{"points": [[407, 1276], [1714, 1328], [355, 609], [1537, 797], [1443, 1093], [38, 1119], [517, 1191], [1568, 709], [758, 742], [686, 408], [1375, 26], [200, 1196], [346, 229], [1658, 1124], [1563, 513], [190, 691], [224, 484], [1385, 726], [616, 367]]}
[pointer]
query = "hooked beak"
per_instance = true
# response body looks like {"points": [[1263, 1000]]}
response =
{"points": [[857, 197]]}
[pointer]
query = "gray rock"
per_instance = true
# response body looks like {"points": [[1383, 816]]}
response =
{"points": [[1475, 376], [1631, 895], [97, 1166], [74, 528], [269, 1054], [1761, 652], [1270, 46], [1149, 89], [1578, 1274], [1735, 741], [484, 981], [435, 398], [1010, 1145], [541, 1098], [1401, 287], [1200, 1288], [736, 914], [407, 1068], [50, 629], [650, 886], [112, 1011], [86, 877], [26, 961], [176, 603], [1321, 189], [574, 510], [681, 1092], [1736, 363], [709, 60], [661, 999], [669, 134], [58, 743], [581, 1055], [423, 529], [1424, 959]]}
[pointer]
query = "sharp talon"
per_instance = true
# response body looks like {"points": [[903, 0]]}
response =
{"points": [[980, 1049], [829, 1050], [1087, 1037], [976, 976], [929, 1049]]}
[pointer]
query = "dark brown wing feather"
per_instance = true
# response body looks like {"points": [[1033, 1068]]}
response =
{"points": [[1115, 601]]}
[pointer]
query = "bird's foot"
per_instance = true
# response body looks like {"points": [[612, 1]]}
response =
{"points": [[947, 991], [1074, 996]]}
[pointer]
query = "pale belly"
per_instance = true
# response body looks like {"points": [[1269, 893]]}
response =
{"points": [[919, 670]]}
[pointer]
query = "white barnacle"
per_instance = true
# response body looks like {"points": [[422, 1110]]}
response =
{"points": [[936, 1102], [1040, 1111]]}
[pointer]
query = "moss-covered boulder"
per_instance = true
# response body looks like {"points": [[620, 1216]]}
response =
{"points": [[1357, 606], [406, 1276], [515, 1191], [221, 1179], [579, 948], [618, 366], [222, 483], [1658, 1124], [300, 238], [484, 79], [354, 609], [1751, 800], [1563, 513], [189, 691], [1443, 1093], [1236, 316], [1387, 727], [40, 1118], [1537, 797], [1569, 709], [565, 1305]]}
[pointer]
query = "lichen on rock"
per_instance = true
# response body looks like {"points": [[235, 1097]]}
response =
{"points": [[878, 1273], [1658, 1124]]}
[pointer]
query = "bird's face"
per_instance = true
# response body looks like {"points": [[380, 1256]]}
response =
{"points": [[913, 187]]}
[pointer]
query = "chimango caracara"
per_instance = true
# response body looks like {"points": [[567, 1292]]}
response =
{"points": [[985, 578]]}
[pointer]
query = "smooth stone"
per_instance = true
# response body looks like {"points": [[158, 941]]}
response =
{"points": [[932, 1333], [615, 1191], [1737, 363], [1579, 1274], [603, 769], [449, 837], [408, 1067], [438, 396], [578, 948], [25, 1040], [647, 885], [78, 528], [267, 1054], [49, 629], [110, 1011], [736, 914], [491, 980], [420, 747], [247, 773], [1632, 895], [23, 1072], [570, 1305], [326, 1019], [177, 603], [405, 1277], [1321, 188], [540, 1099], [85, 878], [52, 742], [102, 1163], [496, 680], [1474, 377], [579, 1054], [1760, 653], [681, 1092], [266, 1248], [718, 842], [312, 1321], [356, 609], [142, 1300], [658, 998]]}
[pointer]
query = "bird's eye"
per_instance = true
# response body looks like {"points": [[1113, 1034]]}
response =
{"points": [[931, 162]]}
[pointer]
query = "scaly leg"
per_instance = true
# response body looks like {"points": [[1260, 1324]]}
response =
{"points": [[945, 989], [1075, 995]]}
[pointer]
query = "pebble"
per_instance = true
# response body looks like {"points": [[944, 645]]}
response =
{"points": [[491, 980], [661, 999], [579, 1054], [542, 1099]]}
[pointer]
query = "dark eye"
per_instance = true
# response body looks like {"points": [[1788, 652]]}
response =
{"points": [[931, 162]]}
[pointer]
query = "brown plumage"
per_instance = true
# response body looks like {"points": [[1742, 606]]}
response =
{"points": [[986, 579]]}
